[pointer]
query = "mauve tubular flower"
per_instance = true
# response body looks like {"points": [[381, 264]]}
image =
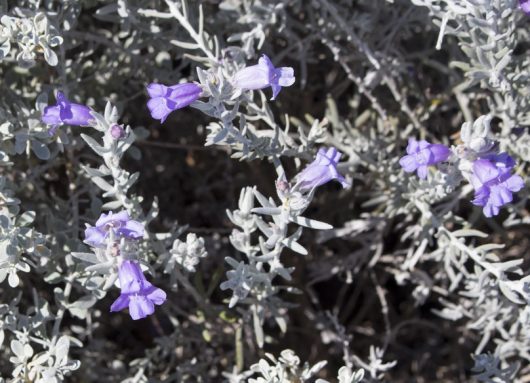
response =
{"points": [[166, 99], [322, 170], [494, 183], [263, 75], [525, 6], [421, 154], [137, 293], [66, 112], [120, 224]]}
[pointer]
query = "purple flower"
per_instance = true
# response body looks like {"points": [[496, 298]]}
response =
{"points": [[165, 99], [525, 6], [264, 74], [494, 183], [136, 292], [421, 154], [117, 132], [119, 224], [322, 170], [66, 112]]}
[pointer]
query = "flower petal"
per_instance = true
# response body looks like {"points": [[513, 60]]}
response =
{"points": [[285, 76], [425, 157], [313, 176], [121, 303], [159, 108], [181, 95], [265, 63], [408, 163], [481, 196], [422, 144], [333, 155], [157, 90], [514, 183], [78, 115], [140, 307], [490, 210], [275, 91], [156, 295], [252, 78], [322, 170], [499, 195], [132, 279], [51, 115], [412, 146], [132, 229], [65, 112], [485, 171], [95, 237], [121, 217], [500, 160], [422, 171], [439, 152]]}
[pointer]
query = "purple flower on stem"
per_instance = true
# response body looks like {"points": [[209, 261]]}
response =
{"points": [[263, 75], [322, 170], [494, 183], [137, 293], [525, 6], [117, 132], [166, 99], [119, 224], [421, 154], [66, 112]]}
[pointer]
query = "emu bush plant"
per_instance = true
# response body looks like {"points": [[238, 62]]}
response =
{"points": [[264, 191]]}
